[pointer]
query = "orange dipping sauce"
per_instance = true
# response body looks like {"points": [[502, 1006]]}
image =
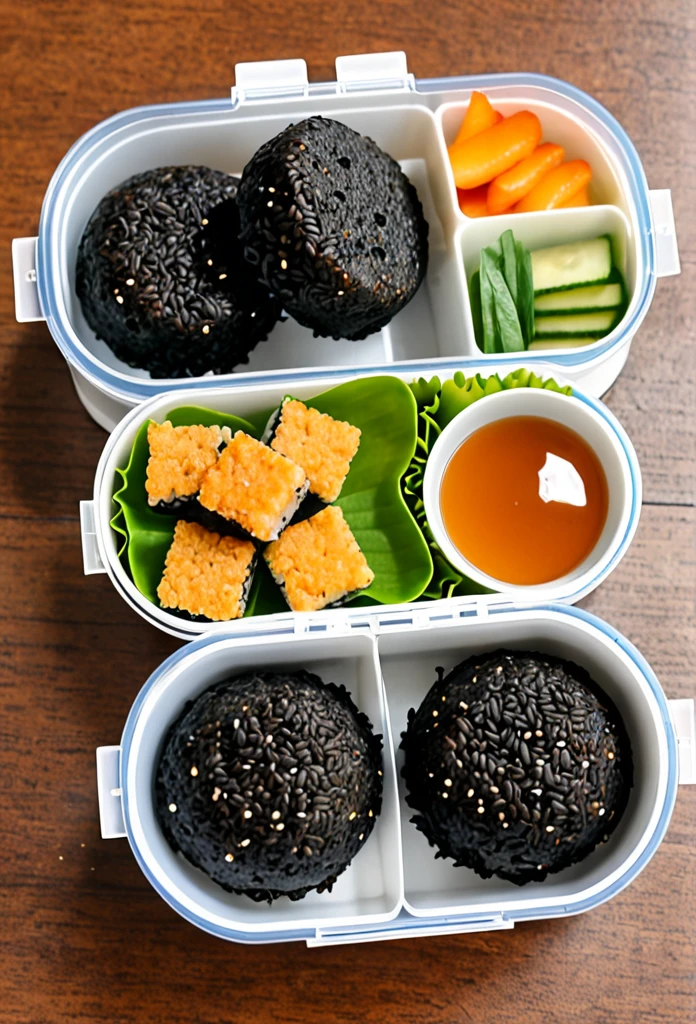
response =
{"points": [[524, 499]]}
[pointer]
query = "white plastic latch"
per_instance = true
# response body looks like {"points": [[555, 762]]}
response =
{"points": [[91, 559], [666, 247], [333, 623], [420, 619], [368, 71], [27, 305], [405, 926], [109, 793], [684, 722], [269, 79]]}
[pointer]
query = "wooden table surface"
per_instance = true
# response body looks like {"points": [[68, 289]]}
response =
{"points": [[83, 936]]}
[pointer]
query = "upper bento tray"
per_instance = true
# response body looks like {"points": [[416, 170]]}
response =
{"points": [[411, 119]]}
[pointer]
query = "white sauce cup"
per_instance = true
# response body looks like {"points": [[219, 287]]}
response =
{"points": [[597, 429]]}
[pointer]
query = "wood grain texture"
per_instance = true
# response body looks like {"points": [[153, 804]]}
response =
{"points": [[84, 938]]}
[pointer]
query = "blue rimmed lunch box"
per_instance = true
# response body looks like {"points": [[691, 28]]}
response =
{"points": [[385, 654]]}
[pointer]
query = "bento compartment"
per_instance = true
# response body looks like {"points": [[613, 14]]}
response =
{"points": [[557, 227], [381, 513], [369, 890], [573, 128], [438, 310], [225, 142], [434, 887]]}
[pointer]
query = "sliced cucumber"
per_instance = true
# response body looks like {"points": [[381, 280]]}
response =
{"points": [[569, 266], [544, 343], [589, 299], [577, 324]]}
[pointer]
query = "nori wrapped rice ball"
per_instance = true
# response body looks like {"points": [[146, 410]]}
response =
{"points": [[271, 783], [334, 227], [517, 764], [162, 278]]}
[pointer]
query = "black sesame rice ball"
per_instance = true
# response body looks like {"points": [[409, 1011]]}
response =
{"points": [[271, 783], [517, 764], [162, 278], [334, 227]]}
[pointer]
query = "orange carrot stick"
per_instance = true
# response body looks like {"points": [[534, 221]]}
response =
{"points": [[556, 187], [472, 201], [513, 185], [479, 115], [494, 150], [580, 198]]}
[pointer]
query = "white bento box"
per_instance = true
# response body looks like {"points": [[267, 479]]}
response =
{"points": [[386, 657], [413, 121], [395, 887]]}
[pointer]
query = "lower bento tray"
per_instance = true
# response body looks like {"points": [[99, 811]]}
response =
{"points": [[396, 887], [415, 122]]}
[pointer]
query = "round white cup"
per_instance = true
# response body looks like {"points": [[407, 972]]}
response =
{"points": [[571, 412]]}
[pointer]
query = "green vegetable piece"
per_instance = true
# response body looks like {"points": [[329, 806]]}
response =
{"points": [[540, 344], [586, 299], [509, 264], [509, 331], [476, 313], [525, 292], [492, 341], [580, 324], [573, 264]]}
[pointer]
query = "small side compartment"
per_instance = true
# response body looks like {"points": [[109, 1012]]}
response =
{"points": [[559, 227], [369, 892], [433, 886]]}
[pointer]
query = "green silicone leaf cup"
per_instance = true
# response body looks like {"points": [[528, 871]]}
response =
{"points": [[371, 499], [385, 411]]}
